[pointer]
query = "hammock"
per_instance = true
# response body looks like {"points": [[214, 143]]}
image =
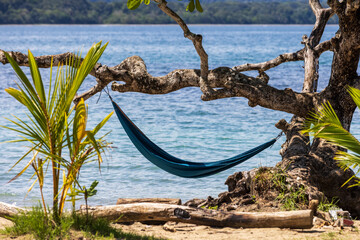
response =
{"points": [[174, 165]]}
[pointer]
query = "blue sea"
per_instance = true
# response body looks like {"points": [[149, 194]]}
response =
{"points": [[179, 122]]}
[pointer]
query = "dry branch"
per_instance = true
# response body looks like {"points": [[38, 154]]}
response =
{"points": [[140, 212]]}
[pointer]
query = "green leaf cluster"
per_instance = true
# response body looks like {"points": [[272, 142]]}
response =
{"points": [[194, 4], [134, 4]]}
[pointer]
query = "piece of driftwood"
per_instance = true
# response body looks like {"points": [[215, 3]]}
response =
{"points": [[8, 210], [140, 212], [176, 201]]}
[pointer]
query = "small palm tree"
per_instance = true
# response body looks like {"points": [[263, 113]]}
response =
{"points": [[325, 124], [54, 128]]}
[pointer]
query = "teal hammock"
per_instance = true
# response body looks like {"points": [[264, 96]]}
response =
{"points": [[177, 166]]}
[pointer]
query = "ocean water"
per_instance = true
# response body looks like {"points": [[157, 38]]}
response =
{"points": [[179, 122]]}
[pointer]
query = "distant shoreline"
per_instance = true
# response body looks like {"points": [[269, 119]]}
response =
{"points": [[160, 24], [116, 12]]}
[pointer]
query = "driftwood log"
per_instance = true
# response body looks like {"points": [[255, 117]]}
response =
{"points": [[8, 210], [147, 212], [175, 201]]}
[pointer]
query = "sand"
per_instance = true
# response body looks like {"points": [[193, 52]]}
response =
{"points": [[182, 231], [192, 232]]}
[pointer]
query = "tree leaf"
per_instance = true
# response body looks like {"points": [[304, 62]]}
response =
{"points": [[79, 125], [355, 94], [21, 75], [198, 6], [38, 83], [147, 2], [18, 95], [191, 6], [133, 4], [92, 139], [101, 124]]}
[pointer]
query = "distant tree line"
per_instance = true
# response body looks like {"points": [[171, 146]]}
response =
{"points": [[89, 12]]}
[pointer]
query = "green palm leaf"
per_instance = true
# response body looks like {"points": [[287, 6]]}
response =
{"points": [[53, 124], [326, 125]]}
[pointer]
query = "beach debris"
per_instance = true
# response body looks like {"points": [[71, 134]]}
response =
{"points": [[155, 212]]}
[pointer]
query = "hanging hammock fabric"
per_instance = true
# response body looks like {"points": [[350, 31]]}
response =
{"points": [[177, 166]]}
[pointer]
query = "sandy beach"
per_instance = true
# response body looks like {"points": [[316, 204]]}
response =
{"points": [[182, 231]]}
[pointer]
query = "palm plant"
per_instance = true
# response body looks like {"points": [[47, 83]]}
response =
{"points": [[54, 128], [326, 125]]}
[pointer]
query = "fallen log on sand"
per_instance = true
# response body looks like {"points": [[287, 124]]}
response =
{"points": [[8, 210], [176, 201], [147, 212]]}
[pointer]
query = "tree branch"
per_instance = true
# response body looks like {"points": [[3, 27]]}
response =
{"points": [[322, 16], [233, 84], [104, 74], [286, 57], [197, 41], [133, 73]]}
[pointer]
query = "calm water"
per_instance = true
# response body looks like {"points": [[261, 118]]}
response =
{"points": [[179, 122]]}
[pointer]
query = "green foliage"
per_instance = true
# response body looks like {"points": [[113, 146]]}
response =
{"points": [[75, 192], [117, 12], [290, 197], [194, 4], [293, 199], [38, 224], [211, 207], [133, 4], [325, 206], [326, 124], [53, 126], [43, 227]]}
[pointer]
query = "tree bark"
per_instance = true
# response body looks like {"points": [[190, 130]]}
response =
{"points": [[141, 212]]}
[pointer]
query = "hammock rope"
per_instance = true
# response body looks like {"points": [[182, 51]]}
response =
{"points": [[177, 166]]}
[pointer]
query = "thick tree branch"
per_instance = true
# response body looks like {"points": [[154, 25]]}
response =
{"points": [[42, 61], [197, 41], [322, 16], [311, 58], [233, 84], [133, 73], [315, 6]]}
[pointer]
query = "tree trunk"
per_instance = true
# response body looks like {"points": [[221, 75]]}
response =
{"points": [[315, 165]]}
